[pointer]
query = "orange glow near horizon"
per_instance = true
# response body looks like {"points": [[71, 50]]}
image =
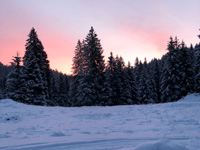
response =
{"points": [[60, 49], [129, 28]]}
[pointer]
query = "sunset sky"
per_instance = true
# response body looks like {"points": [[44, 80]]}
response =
{"points": [[129, 28]]}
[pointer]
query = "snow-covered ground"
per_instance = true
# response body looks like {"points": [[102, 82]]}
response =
{"points": [[171, 126]]}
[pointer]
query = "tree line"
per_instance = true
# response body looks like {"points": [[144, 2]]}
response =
{"points": [[95, 82]]}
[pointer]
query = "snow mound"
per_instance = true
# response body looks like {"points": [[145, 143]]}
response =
{"points": [[191, 98], [160, 145], [9, 103]]}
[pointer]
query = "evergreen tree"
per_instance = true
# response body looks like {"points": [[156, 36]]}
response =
{"points": [[2, 81], [67, 87], [90, 88], [119, 70], [190, 69], [138, 71], [62, 91], [170, 84], [154, 77], [185, 70], [107, 97], [109, 94], [130, 85], [54, 94], [76, 67], [121, 83], [149, 82], [144, 96], [79, 84], [78, 58], [36, 71], [197, 67], [15, 83], [4, 71]]}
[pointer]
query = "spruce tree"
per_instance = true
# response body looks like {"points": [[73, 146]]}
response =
{"points": [[130, 85], [76, 68], [144, 96], [2, 81], [78, 58], [54, 94], [119, 75], [138, 71], [197, 67], [109, 90], [90, 88], [185, 70], [155, 77], [15, 83], [4, 71], [63, 89], [171, 83], [190, 70], [36, 71], [67, 87]]}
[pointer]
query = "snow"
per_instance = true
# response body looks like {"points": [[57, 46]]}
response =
{"points": [[160, 145], [169, 126]]}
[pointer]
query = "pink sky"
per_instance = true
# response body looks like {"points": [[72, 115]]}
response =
{"points": [[127, 28]]}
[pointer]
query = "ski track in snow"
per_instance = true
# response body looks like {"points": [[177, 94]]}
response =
{"points": [[136, 127]]}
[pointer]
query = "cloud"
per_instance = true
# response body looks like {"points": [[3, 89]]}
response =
{"points": [[128, 28]]}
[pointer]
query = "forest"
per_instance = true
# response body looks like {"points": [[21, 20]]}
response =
{"points": [[95, 82]]}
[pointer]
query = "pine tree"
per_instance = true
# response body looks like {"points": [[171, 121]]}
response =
{"points": [[63, 90], [90, 88], [106, 99], [15, 83], [78, 58], [109, 94], [118, 78], [2, 81], [130, 85], [121, 93], [78, 63], [67, 87], [36, 70], [138, 71], [185, 70], [170, 84], [154, 77], [197, 67], [149, 82], [190, 70], [4, 71], [144, 96], [54, 94]]}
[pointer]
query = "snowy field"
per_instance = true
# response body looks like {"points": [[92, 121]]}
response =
{"points": [[171, 126]]}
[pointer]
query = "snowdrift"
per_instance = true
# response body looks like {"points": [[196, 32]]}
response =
{"points": [[170, 126], [160, 145]]}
